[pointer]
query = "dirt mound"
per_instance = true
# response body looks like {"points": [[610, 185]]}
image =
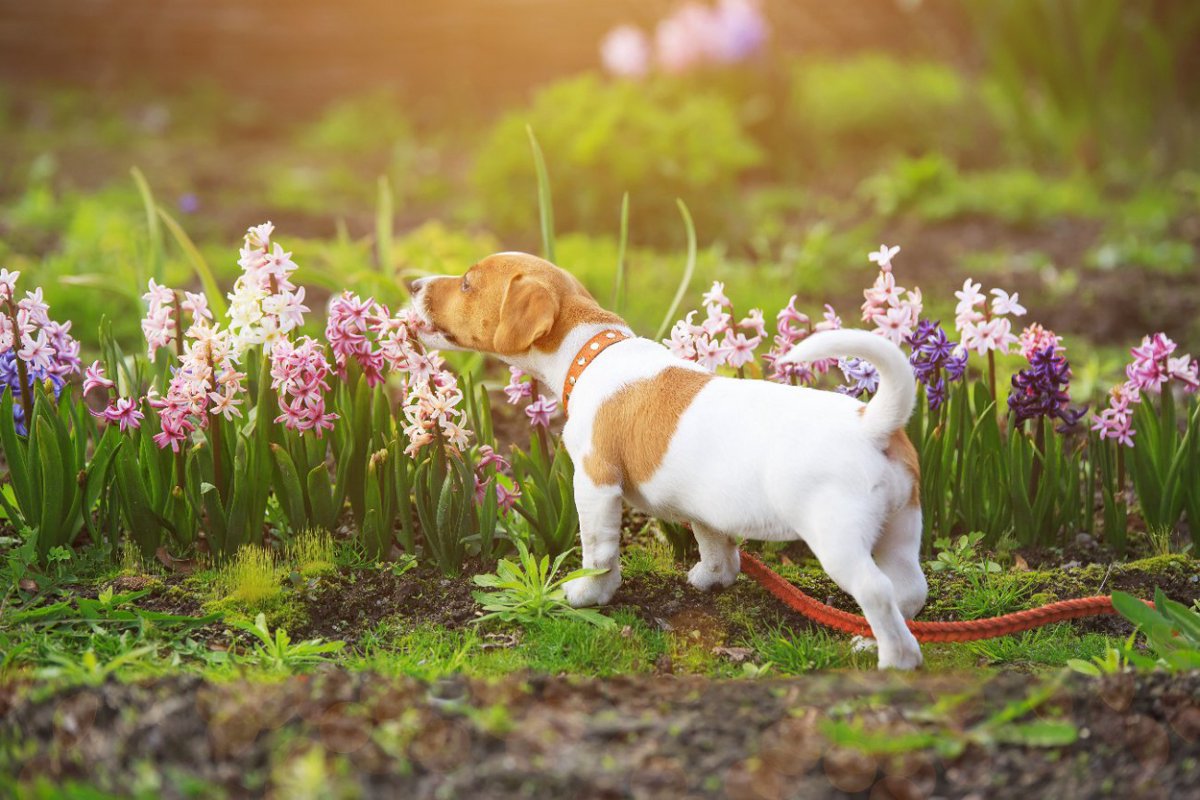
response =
{"points": [[347, 605], [525, 736]]}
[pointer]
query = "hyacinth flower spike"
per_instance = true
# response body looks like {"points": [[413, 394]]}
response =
{"points": [[34, 349]]}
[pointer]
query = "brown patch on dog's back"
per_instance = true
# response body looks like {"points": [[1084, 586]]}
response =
{"points": [[900, 448], [634, 427]]}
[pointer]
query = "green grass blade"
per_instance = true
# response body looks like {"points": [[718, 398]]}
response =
{"points": [[156, 260], [545, 200], [622, 244], [215, 298], [688, 269], [384, 204]]}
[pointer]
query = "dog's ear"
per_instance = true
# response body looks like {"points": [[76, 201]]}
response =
{"points": [[527, 313]]}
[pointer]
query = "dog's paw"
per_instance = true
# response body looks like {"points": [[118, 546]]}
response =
{"points": [[706, 575], [907, 657], [592, 590]]}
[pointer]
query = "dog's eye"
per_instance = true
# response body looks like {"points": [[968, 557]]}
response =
{"points": [[466, 284]]}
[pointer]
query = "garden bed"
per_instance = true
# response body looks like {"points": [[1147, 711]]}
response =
{"points": [[540, 736]]}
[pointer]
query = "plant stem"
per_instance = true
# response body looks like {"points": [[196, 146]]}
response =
{"points": [[180, 461], [992, 377], [542, 434], [22, 371], [178, 326], [1035, 472], [1120, 493], [214, 431]]}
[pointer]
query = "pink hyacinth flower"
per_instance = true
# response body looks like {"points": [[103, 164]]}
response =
{"points": [[125, 413], [883, 257], [507, 498], [540, 410], [93, 378]]}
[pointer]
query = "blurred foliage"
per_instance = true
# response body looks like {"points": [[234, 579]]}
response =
{"points": [[1093, 79], [331, 159], [658, 140], [369, 122], [874, 106], [932, 188]]}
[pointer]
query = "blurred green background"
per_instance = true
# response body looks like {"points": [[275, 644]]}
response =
{"points": [[1044, 146]]}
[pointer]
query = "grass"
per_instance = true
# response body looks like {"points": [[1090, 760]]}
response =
{"points": [[1051, 646], [552, 645], [730, 635], [790, 654]]}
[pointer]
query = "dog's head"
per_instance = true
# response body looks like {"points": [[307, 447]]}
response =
{"points": [[508, 304]]}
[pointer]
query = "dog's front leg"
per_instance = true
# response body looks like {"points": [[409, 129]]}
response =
{"points": [[600, 531]]}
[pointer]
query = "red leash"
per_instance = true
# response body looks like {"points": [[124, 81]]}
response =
{"points": [[966, 631]]}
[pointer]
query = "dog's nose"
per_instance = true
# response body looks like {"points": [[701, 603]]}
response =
{"points": [[415, 285]]}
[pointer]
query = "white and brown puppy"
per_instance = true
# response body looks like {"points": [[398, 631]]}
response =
{"points": [[735, 458]]}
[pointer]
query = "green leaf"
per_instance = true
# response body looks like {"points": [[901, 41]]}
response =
{"points": [[145, 525], [14, 454], [545, 201], [288, 489], [1084, 667], [97, 477], [384, 225], [1041, 733], [50, 462], [1135, 611], [688, 269], [1185, 619], [155, 255], [320, 497], [622, 242], [216, 298]]}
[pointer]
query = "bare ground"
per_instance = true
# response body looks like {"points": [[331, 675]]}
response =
{"points": [[536, 736]]}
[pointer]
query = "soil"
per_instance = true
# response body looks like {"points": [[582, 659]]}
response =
{"points": [[348, 605], [646, 736]]}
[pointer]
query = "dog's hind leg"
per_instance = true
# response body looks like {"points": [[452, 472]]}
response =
{"points": [[837, 531], [719, 562], [898, 554], [600, 533]]}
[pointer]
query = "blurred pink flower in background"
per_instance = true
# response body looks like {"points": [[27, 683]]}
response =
{"points": [[684, 39], [693, 36], [625, 52], [741, 29]]}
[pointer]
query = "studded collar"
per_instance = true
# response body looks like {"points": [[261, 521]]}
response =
{"points": [[586, 355]]}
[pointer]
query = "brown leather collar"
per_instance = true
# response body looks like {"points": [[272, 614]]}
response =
{"points": [[586, 355]]}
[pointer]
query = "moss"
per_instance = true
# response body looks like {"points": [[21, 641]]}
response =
{"points": [[1171, 564], [251, 579], [312, 554], [250, 584]]}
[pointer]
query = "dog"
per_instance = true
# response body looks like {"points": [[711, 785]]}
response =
{"points": [[735, 458]]}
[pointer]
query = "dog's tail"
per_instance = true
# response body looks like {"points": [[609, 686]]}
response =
{"points": [[893, 403]]}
